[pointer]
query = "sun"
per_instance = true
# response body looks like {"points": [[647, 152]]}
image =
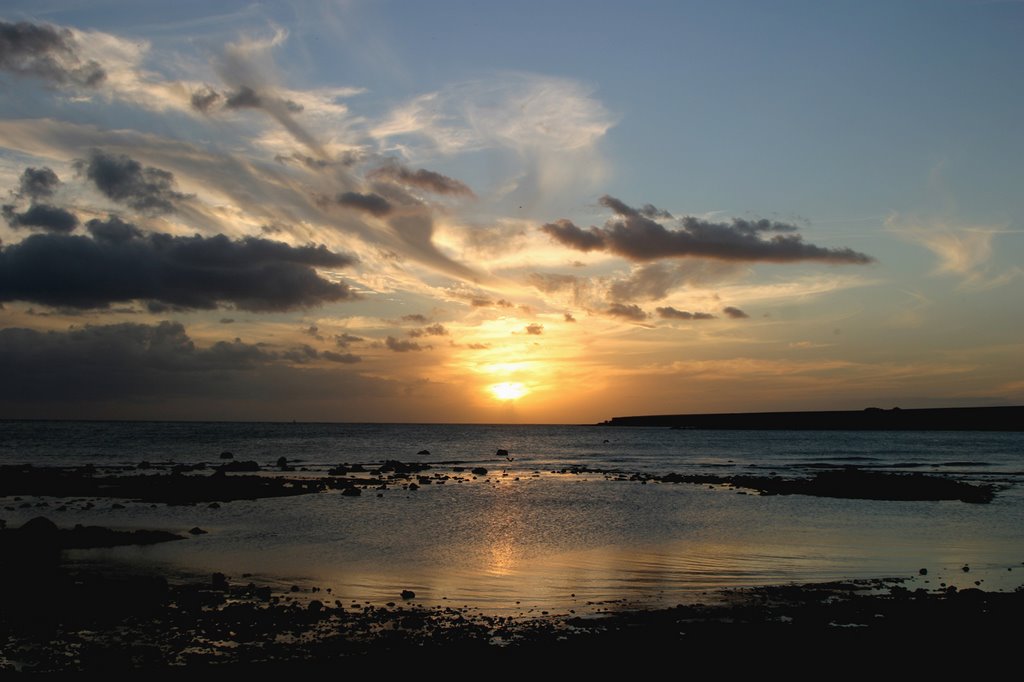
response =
{"points": [[508, 390]]}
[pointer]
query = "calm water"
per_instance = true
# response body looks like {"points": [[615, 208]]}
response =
{"points": [[534, 539]]}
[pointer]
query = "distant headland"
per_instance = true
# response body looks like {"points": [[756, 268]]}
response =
{"points": [[870, 419]]}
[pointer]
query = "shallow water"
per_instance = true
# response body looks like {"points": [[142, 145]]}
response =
{"points": [[535, 539]]}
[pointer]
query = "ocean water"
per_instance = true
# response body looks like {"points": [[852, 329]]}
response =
{"points": [[527, 538]]}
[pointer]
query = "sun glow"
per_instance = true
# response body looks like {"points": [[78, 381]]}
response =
{"points": [[508, 390]]}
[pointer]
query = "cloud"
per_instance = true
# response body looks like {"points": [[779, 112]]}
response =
{"points": [[634, 236], [422, 179], [152, 367], [344, 358], [346, 340], [125, 180], [416, 318], [38, 183], [734, 313], [432, 330], [629, 312], [654, 281], [204, 98], [569, 317], [46, 52], [120, 264], [535, 329], [400, 346], [42, 216], [964, 251], [670, 313], [567, 233], [246, 67], [374, 204]]}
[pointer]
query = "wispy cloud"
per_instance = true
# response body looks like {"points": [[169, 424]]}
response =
{"points": [[964, 251]]}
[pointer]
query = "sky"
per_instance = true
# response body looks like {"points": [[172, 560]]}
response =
{"points": [[530, 212]]}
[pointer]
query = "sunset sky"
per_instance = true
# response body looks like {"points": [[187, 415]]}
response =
{"points": [[516, 212]]}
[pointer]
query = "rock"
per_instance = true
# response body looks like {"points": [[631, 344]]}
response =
{"points": [[282, 462], [315, 606], [408, 594], [413, 486], [214, 505], [247, 465], [227, 455], [219, 581], [39, 527], [501, 453], [352, 492], [479, 471], [923, 571], [423, 452], [196, 530], [117, 506], [966, 568]]}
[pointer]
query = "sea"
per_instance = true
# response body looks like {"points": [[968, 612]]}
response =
{"points": [[531, 536]]}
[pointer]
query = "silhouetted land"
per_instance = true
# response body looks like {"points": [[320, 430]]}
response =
{"points": [[870, 419]]}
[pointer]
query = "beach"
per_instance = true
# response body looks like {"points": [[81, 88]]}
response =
{"points": [[576, 538]]}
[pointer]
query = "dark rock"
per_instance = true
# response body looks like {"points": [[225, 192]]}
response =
{"points": [[923, 571], [219, 581], [227, 455], [501, 453], [247, 465], [214, 505], [423, 452], [117, 506], [315, 606], [352, 492], [282, 462], [196, 530], [408, 594], [479, 471], [413, 486]]}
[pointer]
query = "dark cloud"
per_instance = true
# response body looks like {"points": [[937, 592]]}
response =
{"points": [[204, 99], [344, 358], [630, 312], [121, 264], [42, 216], [300, 355], [734, 313], [244, 98], [373, 204], [38, 183], [670, 313], [46, 52], [565, 232], [111, 360], [652, 211], [346, 340], [535, 329], [635, 236], [415, 318], [569, 317], [313, 331], [125, 180], [400, 346], [150, 368], [422, 178], [113, 230], [432, 330]]}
